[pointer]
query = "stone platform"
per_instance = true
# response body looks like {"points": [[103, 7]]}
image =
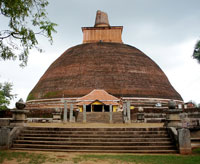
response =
{"points": [[95, 139]]}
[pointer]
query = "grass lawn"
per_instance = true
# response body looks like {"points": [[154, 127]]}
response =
{"points": [[16, 157]]}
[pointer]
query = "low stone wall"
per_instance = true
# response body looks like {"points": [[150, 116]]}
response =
{"points": [[154, 115], [4, 121], [151, 115], [191, 110], [195, 132], [5, 113], [195, 137], [40, 113], [101, 117], [7, 135]]}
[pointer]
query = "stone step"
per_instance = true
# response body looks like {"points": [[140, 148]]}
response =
{"points": [[166, 143], [41, 146], [195, 139], [101, 151], [146, 140], [94, 129], [195, 145], [95, 139], [195, 142], [98, 135], [92, 132]]}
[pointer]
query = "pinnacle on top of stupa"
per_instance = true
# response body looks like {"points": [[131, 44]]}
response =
{"points": [[102, 31], [101, 19]]}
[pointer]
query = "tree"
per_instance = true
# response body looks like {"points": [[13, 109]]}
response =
{"points": [[196, 53], [27, 19], [5, 95]]}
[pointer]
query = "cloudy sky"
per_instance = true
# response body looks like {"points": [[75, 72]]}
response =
{"points": [[165, 30]]}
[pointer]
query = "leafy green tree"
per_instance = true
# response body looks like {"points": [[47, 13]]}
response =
{"points": [[196, 53], [5, 95], [27, 19]]}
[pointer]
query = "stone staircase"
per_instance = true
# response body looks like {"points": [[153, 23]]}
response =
{"points": [[195, 142], [103, 140]]}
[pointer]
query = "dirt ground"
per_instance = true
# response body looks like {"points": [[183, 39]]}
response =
{"points": [[63, 158]]}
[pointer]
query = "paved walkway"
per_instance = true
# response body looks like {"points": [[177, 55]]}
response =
{"points": [[95, 125]]}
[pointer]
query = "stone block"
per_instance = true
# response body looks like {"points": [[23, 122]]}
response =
{"points": [[19, 117], [4, 122], [140, 116], [173, 117], [4, 137], [56, 121], [56, 116], [184, 141], [19, 114]]}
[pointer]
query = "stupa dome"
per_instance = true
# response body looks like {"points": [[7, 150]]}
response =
{"points": [[121, 70]]}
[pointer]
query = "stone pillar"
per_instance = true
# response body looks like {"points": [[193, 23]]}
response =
{"points": [[57, 115], [65, 112], [173, 118], [19, 117], [71, 113], [84, 113], [110, 108], [140, 114], [184, 141], [128, 112], [103, 110], [185, 121], [4, 137], [124, 113]]}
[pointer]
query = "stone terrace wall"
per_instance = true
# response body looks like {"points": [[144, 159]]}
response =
{"points": [[159, 114], [101, 117], [5, 114]]}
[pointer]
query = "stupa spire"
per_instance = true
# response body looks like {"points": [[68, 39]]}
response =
{"points": [[101, 19], [102, 31]]}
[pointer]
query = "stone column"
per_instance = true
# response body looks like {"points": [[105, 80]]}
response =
{"points": [[71, 113], [124, 113], [184, 141], [103, 110], [65, 112], [4, 137], [173, 118], [110, 108], [57, 115], [19, 117], [185, 121], [128, 112], [84, 113]]}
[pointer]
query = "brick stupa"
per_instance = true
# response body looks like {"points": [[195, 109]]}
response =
{"points": [[104, 62]]}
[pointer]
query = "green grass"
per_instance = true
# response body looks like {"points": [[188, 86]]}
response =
{"points": [[145, 159], [36, 158], [196, 151]]}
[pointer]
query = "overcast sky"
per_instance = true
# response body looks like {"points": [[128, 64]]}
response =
{"points": [[165, 30]]}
